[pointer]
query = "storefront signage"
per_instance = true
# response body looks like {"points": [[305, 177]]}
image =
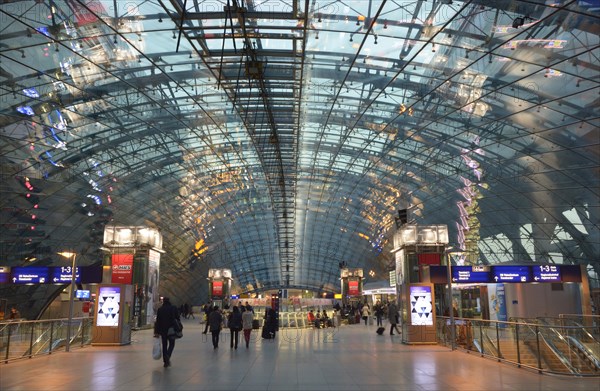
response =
{"points": [[546, 273]]}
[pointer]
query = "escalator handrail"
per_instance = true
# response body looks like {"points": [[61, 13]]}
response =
{"points": [[589, 354], [555, 350]]}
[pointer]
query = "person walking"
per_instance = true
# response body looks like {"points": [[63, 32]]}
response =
{"points": [[165, 319], [247, 318], [235, 325], [379, 313], [365, 313], [207, 310], [215, 320], [271, 323], [393, 317]]}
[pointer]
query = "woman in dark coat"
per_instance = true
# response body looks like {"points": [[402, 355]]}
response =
{"points": [[271, 323], [235, 325]]}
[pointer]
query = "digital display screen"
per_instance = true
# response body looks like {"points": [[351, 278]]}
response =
{"points": [[109, 305], [421, 309], [82, 294]]}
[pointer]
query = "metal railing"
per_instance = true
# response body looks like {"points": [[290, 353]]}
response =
{"points": [[560, 349], [29, 338]]}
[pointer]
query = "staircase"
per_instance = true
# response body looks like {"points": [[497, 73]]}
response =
{"points": [[508, 351]]}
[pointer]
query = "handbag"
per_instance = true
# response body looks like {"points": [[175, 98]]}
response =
{"points": [[157, 349], [172, 333], [175, 331]]}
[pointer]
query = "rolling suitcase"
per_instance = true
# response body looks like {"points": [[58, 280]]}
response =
{"points": [[265, 333], [380, 330]]}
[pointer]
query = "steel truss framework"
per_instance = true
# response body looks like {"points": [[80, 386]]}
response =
{"points": [[279, 138]]}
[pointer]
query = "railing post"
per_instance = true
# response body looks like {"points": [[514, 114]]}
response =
{"points": [[31, 341], [518, 347], [481, 336], [8, 344], [498, 341], [51, 336], [539, 354]]}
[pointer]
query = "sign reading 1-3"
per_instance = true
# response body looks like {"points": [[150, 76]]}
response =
{"points": [[63, 274], [546, 273]]}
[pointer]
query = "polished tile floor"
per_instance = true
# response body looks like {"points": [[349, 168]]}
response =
{"points": [[350, 358]]}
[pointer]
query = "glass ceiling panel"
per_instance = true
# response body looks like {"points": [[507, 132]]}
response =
{"points": [[287, 139]]}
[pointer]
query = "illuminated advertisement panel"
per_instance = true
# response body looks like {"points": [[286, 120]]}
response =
{"points": [[122, 268], [217, 288], [353, 287], [421, 310], [109, 305]]}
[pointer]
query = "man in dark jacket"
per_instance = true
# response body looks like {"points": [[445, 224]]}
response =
{"points": [[165, 318], [215, 319]]}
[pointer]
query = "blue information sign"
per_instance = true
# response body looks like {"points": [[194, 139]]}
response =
{"points": [[29, 275], [511, 273], [467, 274], [547, 273], [62, 275]]}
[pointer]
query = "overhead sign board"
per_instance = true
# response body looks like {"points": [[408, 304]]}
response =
{"points": [[547, 273], [63, 275], [511, 274], [470, 274], [29, 275], [49, 274], [506, 273]]}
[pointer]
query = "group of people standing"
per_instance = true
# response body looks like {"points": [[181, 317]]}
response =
{"points": [[239, 319]]}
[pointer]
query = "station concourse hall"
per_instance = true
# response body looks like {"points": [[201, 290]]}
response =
{"points": [[334, 166], [348, 358]]}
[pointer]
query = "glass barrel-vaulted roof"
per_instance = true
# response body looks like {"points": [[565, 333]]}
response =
{"points": [[280, 138]]}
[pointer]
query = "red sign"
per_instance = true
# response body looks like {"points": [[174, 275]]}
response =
{"points": [[122, 268], [353, 288], [217, 289]]}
